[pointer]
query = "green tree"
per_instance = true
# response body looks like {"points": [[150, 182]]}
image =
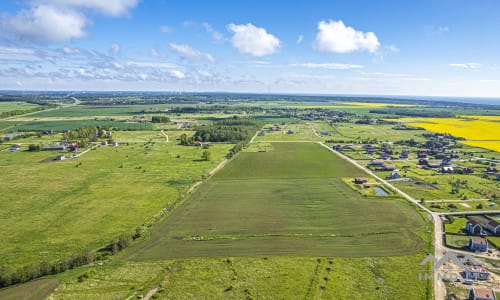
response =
{"points": [[206, 155]]}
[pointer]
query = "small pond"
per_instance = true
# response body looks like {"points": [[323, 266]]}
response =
{"points": [[380, 191]]}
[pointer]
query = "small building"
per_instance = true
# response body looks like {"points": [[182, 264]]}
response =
{"points": [[54, 148], [262, 133], [476, 273], [394, 175], [290, 131], [15, 148], [478, 244], [493, 227], [61, 157], [116, 144], [448, 170], [434, 164], [469, 170], [481, 294], [360, 180], [389, 167], [325, 133], [472, 227], [423, 162], [377, 162], [104, 143]]}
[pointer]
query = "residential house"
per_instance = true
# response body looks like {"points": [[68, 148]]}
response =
{"points": [[447, 170], [394, 175], [389, 167], [377, 162], [476, 273], [423, 162], [494, 227], [491, 170], [469, 170], [472, 227], [325, 133], [434, 164], [61, 157], [481, 294], [290, 131], [360, 180], [15, 147], [262, 133], [478, 244], [404, 153], [54, 148]]}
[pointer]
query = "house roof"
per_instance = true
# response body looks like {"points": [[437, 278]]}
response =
{"points": [[477, 269], [471, 222], [389, 166], [360, 178], [478, 240], [493, 224], [484, 293], [377, 161]]}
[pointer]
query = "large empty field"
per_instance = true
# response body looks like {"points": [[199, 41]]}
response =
{"points": [[290, 200]]}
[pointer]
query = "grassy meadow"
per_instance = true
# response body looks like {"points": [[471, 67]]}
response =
{"points": [[54, 209], [10, 106], [290, 200]]}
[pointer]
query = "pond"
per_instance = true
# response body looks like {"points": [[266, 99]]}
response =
{"points": [[380, 191]]}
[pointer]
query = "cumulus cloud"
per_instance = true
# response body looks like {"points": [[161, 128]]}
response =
{"points": [[177, 74], [249, 39], [471, 66], [188, 52], [335, 36], [56, 21], [45, 23], [329, 66], [107, 7]]}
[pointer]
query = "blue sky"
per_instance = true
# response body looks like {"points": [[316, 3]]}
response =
{"points": [[434, 48]]}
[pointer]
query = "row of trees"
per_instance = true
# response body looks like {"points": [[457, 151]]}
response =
{"points": [[228, 130], [10, 276], [160, 119]]}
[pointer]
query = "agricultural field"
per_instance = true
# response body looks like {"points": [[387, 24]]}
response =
{"points": [[478, 131], [337, 105], [54, 209], [284, 208], [11, 106], [35, 290], [359, 132], [302, 131]]}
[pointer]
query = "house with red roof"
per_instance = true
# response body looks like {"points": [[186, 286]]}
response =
{"points": [[481, 294], [478, 244]]}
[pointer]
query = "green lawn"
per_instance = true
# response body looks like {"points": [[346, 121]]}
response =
{"points": [[54, 209], [302, 131], [261, 204]]}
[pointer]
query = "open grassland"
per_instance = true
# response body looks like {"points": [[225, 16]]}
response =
{"points": [[14, 125], [290, 200], [10, 106], [35, 290], [302, 131], [100, 111], [54, 209], [360, 132], [264, 277]]}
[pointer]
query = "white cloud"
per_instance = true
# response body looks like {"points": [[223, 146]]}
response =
{"points": [[108, 7], [56, 21], [115, 48], [45, 23], [392, 48], [334, 36], [177, 74], [252, 40], [300, 38], [216, 36], [22, 54], [329, 66], [166, 29], [157, 53], [148, 64], [189, 53], [443, 29], [471, 66]]}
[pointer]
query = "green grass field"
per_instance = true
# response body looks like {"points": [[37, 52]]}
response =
{"points": [[54, 209], [290, 200], [301, 132], [35, 290], [10, 106]]}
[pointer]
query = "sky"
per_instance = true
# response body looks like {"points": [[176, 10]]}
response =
{"points": [[385, 47]]}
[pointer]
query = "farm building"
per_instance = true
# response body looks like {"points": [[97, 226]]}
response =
{"points": [[494, 227], [478, 244], [447, 170], [472, 227], [476, 273], [377, 162], [481, 294], [360, 180]]}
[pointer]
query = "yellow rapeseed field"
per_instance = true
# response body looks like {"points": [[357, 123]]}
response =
{"points": [[479, 131]]}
